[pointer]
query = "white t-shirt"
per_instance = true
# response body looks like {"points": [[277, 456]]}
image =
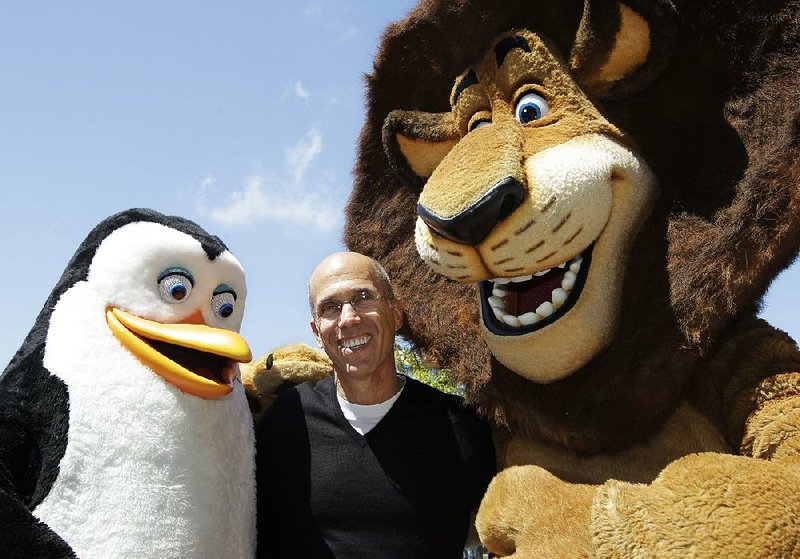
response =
{"points": [[364, 418]]}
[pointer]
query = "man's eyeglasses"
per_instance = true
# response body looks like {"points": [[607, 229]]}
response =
{"points": [[362, 302]]}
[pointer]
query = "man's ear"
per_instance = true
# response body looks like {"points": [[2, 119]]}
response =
{"points": [[316, 333], [415, 142], [397, 310]]}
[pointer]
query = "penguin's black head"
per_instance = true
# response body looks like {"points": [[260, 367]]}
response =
{"points": [[156, 291], [78, 267]]}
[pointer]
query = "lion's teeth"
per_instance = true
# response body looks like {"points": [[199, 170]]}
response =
{"points": [[496, 302], [559, 297], [569, 280], [528, 318], [499, 292], [545, 309]]}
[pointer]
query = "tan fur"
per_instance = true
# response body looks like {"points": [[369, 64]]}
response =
{"points": [[423, 156], [704, 505], [549, 517], [567, 207], [293, 363], [686, 432], [630, 49]]}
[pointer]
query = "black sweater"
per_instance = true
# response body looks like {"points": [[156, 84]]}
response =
{"points": [[405, 489]]}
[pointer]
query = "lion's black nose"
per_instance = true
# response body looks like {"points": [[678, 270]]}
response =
{"points": [[472, 224]]}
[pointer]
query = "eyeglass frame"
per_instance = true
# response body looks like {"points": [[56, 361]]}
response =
{"points": [[352, 302]]}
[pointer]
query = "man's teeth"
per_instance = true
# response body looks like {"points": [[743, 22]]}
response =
{"points": [[355, 342], [558, 297]]}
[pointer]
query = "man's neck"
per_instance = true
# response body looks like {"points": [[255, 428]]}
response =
{"points": [[368, 391]]}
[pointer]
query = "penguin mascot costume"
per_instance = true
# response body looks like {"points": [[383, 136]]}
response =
{"points": [[124, 428]]}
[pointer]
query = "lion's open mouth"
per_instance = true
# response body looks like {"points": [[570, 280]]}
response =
{"points": [[514, 306]]}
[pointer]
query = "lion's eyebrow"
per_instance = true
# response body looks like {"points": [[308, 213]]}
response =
{"points": [[470, 79], [508, 44]]}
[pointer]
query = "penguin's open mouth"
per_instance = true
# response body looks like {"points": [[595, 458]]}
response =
{"points": [[196, 358]]}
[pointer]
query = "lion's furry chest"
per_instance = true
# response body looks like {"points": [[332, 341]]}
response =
{"points": [[686, 432]]}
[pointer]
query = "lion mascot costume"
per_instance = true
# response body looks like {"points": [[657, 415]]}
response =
{"points": [[582, 204]]}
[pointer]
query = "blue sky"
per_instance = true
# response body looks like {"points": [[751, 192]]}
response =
{"points": [[242, 116]]}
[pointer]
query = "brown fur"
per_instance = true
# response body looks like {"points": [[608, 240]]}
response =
{"points": [[610, 448], [717, 128]]}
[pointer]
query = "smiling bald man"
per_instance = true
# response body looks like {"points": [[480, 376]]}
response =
{"points": [[366, 463]]}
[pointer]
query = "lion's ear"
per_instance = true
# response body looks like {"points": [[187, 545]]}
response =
{"points": [[416, 142], [621, 47]]}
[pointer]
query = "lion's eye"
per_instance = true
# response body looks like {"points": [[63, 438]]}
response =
{"points": [[480, 123], [531, 107]]}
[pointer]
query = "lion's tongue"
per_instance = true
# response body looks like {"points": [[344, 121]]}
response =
{"points": [[527, 296]]}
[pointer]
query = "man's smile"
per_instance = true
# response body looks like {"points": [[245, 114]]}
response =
{"points": [[355, 344]]}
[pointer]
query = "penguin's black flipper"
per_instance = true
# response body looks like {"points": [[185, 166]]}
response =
{"points": [[34, 414], [25, 537]]}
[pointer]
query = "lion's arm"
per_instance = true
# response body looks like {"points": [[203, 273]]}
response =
{"points": [[708, 505], [758, 375]]}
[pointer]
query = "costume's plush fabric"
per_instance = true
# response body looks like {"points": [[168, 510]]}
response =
{"points": [[581, 205], [277, 370], [124, 430]]}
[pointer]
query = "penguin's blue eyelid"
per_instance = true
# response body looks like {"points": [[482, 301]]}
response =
{"points": [[223, 302], [224, 288], [179, 271]]}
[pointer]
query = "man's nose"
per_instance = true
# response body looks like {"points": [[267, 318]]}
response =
{"points": [[348, 314]]}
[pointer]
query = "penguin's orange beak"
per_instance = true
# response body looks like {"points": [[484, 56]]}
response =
{"points": [[197, 358]]}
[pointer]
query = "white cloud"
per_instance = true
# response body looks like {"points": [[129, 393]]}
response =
{"points": [[300, 155], [301, 91], [277, 197], [265, 198], [349, 32], [295, 90], [203, 188]]}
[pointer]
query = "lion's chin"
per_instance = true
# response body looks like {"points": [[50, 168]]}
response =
{"points": [[558, 341]]}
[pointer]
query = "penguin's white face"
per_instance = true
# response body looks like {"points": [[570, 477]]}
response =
{"points": [[171, 307], [140, 267]]}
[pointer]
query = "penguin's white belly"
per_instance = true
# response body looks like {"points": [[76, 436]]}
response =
{"points": [[168, 482], [148, 471]]}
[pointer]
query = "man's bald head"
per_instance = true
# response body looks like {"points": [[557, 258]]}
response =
{"points": [[341, 262]]}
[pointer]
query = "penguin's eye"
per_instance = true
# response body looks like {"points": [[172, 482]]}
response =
{"points": [[531, 107], [175, 284], [224, 301]]}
